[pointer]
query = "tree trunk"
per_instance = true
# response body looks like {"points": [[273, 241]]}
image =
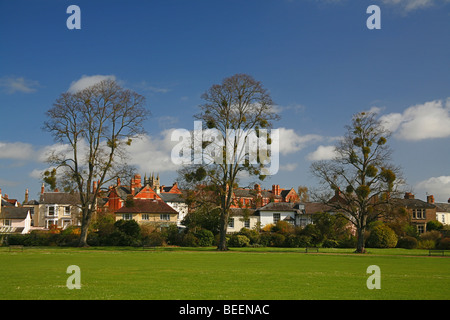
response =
{"points": [[222, 245], [360, 246], [85, 228]]}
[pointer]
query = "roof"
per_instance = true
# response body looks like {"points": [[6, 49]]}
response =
{"points": [[442, 207], [280, 206], [147, 206], [242, 212], [14, 213], [316, 207], [414, 203], [172, 197], [59, 198]]}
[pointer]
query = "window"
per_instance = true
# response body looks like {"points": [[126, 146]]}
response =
{"points": [[420, 229], [7, 222], [247, 223], [127, 216], [67, 211], [145, 216], [276, 218], [231, 222], [51, 211], [418, 214], [164, 216]]}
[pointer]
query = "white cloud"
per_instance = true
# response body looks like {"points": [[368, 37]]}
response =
{"points": [[410, 5], [87, 81], [16, 150], [419, 122], [153, 154], [437, 186], [322, 153], [288, 167], [291, 142], [18, 84]]}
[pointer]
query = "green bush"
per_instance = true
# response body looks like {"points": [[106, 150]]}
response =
{"points": [[251, 234], [238, 240], [444, 244], [434, 225], [330, 243], [154, 239], [277, 240], [407, 242], [381, 236], [205, 238], [426, 244]]}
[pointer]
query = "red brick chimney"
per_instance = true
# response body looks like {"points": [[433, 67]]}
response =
{"points": [[42, 188], [409, 195], [276, 189], [430, 199]]}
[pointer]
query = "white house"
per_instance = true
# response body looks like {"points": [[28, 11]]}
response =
{"points": [[177, 202], [443, 213], [15, 220]]}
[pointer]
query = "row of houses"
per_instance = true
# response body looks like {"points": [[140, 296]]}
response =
{"points": [[147, 201]]}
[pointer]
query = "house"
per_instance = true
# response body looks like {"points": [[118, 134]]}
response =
{"points": [[443, 212], [148, 211], [242, 218], [257, 197], [119, 196], [273, 212], [419, 211], [177, 202], [15, 220], [55, 208]]}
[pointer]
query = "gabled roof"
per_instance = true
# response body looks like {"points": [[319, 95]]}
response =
{"points": [[442, 207], [281, 206], [316, 207], [14, 213], [59, 198], [413, 203], [147, 206]]}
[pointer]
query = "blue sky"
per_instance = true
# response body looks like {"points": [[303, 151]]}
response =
{"points": [[318, 59]]}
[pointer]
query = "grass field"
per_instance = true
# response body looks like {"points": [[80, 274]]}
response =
{"points": [[205, 274]]}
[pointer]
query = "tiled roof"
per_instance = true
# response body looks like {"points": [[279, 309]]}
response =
{"points": [[147, 206]]}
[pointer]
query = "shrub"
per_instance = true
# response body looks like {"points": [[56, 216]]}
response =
{"points": [[189, 240], [205, 238], [277, 240], [407, 242], [444, 244], [382, 236], [426, 244], [434, 225], [252, 235], [154, 239], [330, 243], [430, 235], [238, 240], [348, 242]]}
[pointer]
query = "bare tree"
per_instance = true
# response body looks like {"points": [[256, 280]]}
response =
{"points": [[240, 105], [94, 125], [361, 176]]}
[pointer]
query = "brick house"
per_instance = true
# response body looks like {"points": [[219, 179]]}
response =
{"points": [[121, 198], [419, 211], [257, 197]]}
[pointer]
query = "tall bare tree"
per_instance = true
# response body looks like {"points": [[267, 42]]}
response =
{"points": [[94, 125], [240, 105], [361, 175]]}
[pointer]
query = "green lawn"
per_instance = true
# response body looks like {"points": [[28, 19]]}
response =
{"points": [[256, 274]]}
